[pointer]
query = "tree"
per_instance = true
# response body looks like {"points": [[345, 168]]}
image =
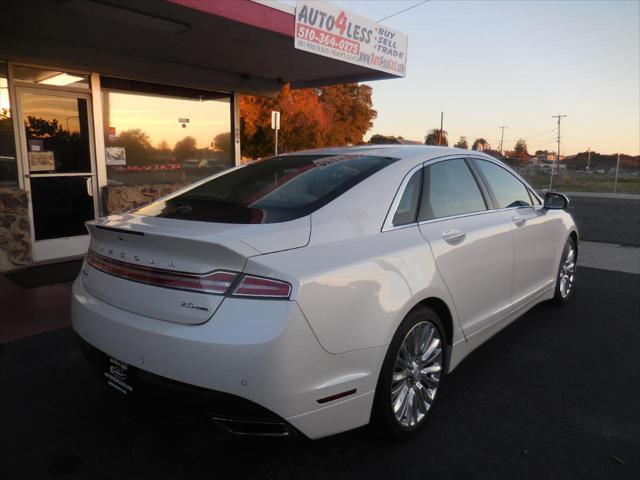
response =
{"points": [[185, 148], [378, 139], [309, 118], [350, 113], [462, 143], [222, 141], [433, 137], [520, 149], [480, 145], [137, 146]]}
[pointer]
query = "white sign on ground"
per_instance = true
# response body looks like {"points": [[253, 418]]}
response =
{"points": [[328, 30]]}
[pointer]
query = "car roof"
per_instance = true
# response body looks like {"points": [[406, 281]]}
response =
{"points": [[417, 153]]}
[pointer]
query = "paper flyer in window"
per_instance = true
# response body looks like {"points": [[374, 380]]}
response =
{"points": [[115, 155], [41, 161]]}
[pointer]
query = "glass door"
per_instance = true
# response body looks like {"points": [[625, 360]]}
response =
{"points": [[59, 169]]}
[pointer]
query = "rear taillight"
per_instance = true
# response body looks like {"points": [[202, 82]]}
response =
{"points": [[216, 282], [220, 282], [250, 286]]}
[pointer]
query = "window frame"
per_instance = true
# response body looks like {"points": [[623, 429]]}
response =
{"points": [[483, 185], [488, 205], [527, 187]]}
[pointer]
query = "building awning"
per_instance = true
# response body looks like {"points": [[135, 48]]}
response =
{"points": [[232, 45]]}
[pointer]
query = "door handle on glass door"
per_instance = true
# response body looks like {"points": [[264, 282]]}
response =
{"points": [[90, 186], [453, 236]]}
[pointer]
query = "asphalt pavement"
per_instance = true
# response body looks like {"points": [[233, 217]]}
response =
{"points": [[553, 396], [612, 220]]}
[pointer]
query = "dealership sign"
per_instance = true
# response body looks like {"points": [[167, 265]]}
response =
{"points": [[325, 29]]}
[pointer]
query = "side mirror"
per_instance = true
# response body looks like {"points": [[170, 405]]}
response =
{"points": [[555, 201]]}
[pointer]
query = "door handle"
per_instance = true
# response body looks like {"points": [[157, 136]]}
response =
{"points": [[90, 186], [453, 236], [518, 221]]}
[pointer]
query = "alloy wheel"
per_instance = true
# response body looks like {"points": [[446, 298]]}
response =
{"points": [[567, 270], [416, 374]]}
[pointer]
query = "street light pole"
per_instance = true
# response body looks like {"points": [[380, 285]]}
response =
{"points": [[589, 159], [441, 127]]}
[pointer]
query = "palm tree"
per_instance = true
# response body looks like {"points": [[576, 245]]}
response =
{"points": [[480, 144], [462, 143], [435, 136]]}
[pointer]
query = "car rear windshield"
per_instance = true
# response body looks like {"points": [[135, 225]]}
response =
{"points": [[273, 190]]}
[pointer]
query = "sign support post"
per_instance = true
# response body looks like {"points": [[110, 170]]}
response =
{"points": [[275, 124]]}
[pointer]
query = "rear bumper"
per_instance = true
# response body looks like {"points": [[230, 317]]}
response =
{"points": [[236, 414], [255, 359]]}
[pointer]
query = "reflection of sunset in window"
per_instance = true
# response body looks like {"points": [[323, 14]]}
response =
{"points": [[155, 138], [51, 110], [5, 108], [159, 117]]}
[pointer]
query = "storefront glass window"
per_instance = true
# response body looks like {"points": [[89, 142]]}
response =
{"points": [[53, 78], [159, 134], [8, 165]]}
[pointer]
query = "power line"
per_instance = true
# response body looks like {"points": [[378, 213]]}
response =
{"points": [[405, 10]]}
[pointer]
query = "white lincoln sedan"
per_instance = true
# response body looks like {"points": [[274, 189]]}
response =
{"points": [[319, 291]]}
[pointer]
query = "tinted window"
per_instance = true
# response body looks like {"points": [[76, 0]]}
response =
{"points": [[274, 190], [449, 189], [507, 189], [408, 206]]}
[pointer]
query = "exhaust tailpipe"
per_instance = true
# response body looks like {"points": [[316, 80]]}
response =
{"points": [[254, 428]]}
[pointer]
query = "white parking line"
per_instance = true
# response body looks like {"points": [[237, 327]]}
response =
{"points": [[609, 256]]}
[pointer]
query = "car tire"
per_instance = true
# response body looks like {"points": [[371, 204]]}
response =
{"points": [[565, 278], [403, 376]]}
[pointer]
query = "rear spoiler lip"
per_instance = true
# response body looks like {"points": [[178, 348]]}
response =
{"points": [[256, 239], [120, 230]]}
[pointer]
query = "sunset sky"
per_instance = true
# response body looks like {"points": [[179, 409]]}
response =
{"points": [[515, 63]]}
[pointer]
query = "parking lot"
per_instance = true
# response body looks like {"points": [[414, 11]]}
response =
{"points": [[554, 395]]}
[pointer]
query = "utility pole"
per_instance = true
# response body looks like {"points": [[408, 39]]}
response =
{"points": [[589, 159], [441, 127], [559, 117], [615, 182], [502, 138]]}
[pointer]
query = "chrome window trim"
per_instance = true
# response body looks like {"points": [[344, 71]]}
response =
{"points": [[472, 214], [388, 222]]}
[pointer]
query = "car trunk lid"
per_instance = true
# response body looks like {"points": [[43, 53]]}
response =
{"points": [[162, 268]]}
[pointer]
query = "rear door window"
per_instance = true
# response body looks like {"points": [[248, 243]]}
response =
{"points": [[449, 189], [507, 189], [273, 190]]}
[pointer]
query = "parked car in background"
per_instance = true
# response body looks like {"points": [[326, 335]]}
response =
{"points": [[194, 168], [322, 290]]}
